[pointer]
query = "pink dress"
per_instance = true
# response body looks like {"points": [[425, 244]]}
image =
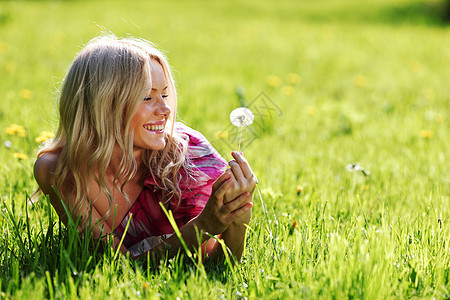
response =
{"points": [[149, 225]]}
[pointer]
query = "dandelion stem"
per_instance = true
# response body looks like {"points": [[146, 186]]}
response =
{"points": [[240, 138]]}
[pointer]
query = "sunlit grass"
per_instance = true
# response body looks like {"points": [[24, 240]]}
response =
{"points": [[352, 83]]}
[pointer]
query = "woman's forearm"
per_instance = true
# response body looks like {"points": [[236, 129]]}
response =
{"points": [[193, 236], [234, 239]]}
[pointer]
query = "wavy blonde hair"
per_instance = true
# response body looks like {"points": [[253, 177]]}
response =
{"points": [[99, 96]]}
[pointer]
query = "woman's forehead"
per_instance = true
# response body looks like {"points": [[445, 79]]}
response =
{"points": [[157, 74]]}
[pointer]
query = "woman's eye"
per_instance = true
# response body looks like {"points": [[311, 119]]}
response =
{"points": [[149, 98]]}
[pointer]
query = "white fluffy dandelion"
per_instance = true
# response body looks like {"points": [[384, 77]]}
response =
{"points": [[8, 144], [242, 117], [354, 167], [357, 167]]}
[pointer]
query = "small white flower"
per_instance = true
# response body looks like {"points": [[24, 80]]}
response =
{"points": [[242, 117], [357, 167], [8, 144], [354, 167]]}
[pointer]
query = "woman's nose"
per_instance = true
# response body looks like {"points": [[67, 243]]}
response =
{"points": [[163, 108]]}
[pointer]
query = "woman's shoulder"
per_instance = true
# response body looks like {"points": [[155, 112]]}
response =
{"points": [[202, 154], [45, 168], [198, 145], [195, 137]]}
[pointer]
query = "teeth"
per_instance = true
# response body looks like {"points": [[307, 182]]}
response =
{"points": [[154, 127]]}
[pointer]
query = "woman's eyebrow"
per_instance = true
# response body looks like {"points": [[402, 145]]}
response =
{"points": [[153, 89]]}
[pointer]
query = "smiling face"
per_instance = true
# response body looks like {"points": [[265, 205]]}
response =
{"points": [[149, 121]]}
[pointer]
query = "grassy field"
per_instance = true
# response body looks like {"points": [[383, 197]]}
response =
{"points": [[343, 82]]}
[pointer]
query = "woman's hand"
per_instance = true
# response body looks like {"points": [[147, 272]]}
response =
{"points": [[218, 214], [244, 180]]}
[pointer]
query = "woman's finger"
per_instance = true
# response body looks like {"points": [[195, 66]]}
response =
{"points": [[243, 163], [220, 192], [240, 211], [240, 201], [222, 178], [237, 172]]}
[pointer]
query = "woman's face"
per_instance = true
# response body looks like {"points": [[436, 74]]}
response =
{"points": [[149, 122]]}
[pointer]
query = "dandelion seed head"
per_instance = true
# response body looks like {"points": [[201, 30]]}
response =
{"points": [[354, 167], [241, 117]]}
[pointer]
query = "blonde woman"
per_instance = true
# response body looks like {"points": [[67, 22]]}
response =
{"points": [[118, 155]]}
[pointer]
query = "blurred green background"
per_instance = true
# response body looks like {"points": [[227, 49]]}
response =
{"points": [[355, 81]]}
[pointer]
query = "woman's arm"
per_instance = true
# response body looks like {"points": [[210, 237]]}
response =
{"points": [[216, 217], [244, 183], [44, 170]]}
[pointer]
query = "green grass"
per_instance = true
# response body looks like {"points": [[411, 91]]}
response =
{"points": [[372, 88]]}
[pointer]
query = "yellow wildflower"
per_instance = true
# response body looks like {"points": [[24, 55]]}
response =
{"points": [[20, 156], [416, 67], [145, 285], [288, 90], [44, 136], [299, 190], [359, 81], [221, 134], [426, 134], [311, 110], [3, 47], [274, 80], [429, 94], [294, 225], [293, 78], [10, 67], [15, 129], [26, 94]]}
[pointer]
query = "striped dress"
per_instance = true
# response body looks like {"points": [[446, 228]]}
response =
{"points": [[148, 224]]}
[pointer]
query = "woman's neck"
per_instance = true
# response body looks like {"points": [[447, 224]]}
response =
{"points": [[116, 158]]}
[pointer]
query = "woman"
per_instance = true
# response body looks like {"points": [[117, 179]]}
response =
{"points": [[118, 155]]}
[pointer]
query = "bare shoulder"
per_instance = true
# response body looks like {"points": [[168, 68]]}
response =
{"points": [[44, 170]]}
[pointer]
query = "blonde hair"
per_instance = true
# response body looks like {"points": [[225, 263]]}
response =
{"points": [[99, 96]]}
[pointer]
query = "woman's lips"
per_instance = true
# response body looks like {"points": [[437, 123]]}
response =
{"points": [[155, 127]]}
